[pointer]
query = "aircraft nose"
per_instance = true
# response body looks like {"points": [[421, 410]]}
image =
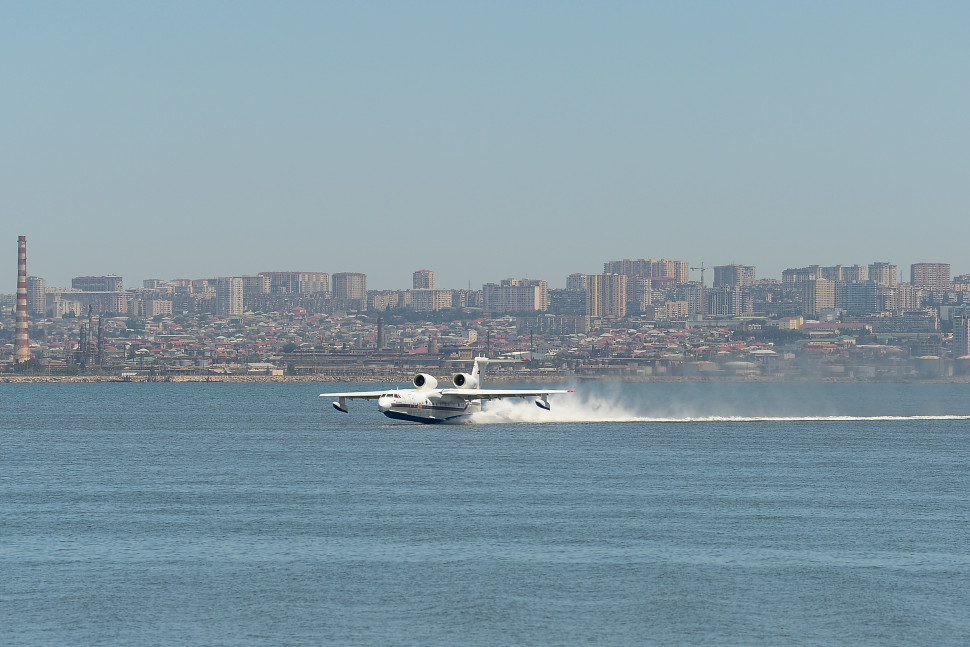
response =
{"points": [[384, 403]]}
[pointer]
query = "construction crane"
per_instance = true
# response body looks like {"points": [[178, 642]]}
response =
{"points": [[703, 300]]}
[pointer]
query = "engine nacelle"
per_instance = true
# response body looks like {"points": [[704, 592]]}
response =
{"points": [[464, 381], [424, 381]]}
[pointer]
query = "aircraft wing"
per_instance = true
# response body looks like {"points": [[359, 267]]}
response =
{"points": [[341, 403], [495, 394], [356, 395]]}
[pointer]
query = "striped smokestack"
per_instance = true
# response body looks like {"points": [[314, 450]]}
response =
{"points": [[21, 352]]}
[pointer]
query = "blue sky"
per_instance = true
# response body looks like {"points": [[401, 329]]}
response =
{"points": [[481, 140]]}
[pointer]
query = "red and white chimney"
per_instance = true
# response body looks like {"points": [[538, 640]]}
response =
{"points": [[21, 352]]}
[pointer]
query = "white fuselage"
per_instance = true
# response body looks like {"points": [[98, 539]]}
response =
{"points": [[426, 406]]}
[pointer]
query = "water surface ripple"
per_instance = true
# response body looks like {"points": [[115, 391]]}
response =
{"points": [[253, 514]]}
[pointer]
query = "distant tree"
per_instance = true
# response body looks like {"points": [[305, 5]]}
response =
{"points": [[30, 366]]}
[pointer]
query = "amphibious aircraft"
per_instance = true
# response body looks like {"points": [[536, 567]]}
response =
{"points": [[429, 404]]}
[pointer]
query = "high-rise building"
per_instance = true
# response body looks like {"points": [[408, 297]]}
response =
{"points": [[567, 302], [639, 293], [229, 295], [650, 268], [844, 273], [734, 275], [606, 295], [817, 295], [961, 333], [428, 300], [350, 288], [259, 284], [933, 276], [906, 297], [109, 283], [516, 295], [884, 274], [36, 296], [793, 278], [857, 297], [725, 300], [423, 280], [576, 282], [297, 282]]}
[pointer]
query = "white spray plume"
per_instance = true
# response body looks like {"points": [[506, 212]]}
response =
{"points": [[598, 407]]}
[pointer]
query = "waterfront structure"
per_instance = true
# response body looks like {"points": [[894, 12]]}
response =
{"points": [[932, 276], [36, 296], [884, 274], [423, 280], [350, 289], [109, 283], [516, 295], [229, 295], [606, 295], [734, 275]]}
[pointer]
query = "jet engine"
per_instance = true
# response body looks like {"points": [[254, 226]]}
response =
{"points": [[464, 381], [424, 381]]}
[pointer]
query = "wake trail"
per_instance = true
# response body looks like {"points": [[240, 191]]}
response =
{"points": [[563, 411]]}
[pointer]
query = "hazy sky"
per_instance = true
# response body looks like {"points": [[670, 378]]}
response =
{"points": [[480, 140]]}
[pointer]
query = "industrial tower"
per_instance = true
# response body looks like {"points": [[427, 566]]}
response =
{"points": [[21, 352]]}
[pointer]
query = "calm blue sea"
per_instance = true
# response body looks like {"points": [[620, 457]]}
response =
{"points": [[669, 514]]}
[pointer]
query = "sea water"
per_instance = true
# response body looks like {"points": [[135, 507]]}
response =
{"points": [[255, 514]]}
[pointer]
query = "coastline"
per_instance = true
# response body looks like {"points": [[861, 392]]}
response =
{"points": [[537, 379]]}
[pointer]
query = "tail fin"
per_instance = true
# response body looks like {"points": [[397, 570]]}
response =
{"points": [[481, 362]]}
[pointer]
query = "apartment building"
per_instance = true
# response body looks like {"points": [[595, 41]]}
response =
{"points": [[961, 333], [516, 295], [734, 275], [350, 288], [109, 283], [931, 276], [817, 295], [606, 295], [423, 280], [650, 268], [229, 295], [844, 273], [884, 274], [36, 295]]}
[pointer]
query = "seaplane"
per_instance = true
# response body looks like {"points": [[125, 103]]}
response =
{"points": [[428, 403]]}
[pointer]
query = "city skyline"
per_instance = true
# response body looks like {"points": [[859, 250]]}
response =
{"points": [[155, 140], [409, 276]]}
